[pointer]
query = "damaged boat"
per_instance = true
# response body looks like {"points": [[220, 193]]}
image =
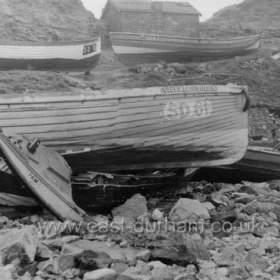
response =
{"points": [[134, 129], [44, 172], [50, 56], [138, 48]]}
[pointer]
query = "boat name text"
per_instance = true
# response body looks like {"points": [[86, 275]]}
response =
{"points": [[33, 178], [187, 89], [151, 37], [191, 109], [89, 49]]}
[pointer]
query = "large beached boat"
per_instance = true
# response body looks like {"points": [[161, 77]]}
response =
{"points": [[132, 129], [55, 56], [138, 48]]}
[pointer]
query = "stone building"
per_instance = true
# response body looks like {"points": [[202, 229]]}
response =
{"points": [[146, 16]]}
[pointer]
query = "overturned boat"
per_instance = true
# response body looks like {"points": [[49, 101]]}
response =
{"points": [[138, 48], [54, 56], [134, 129], [44, 172]]}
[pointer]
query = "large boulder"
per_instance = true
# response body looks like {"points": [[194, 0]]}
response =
{"points": [[189, 210], [132, 208]]}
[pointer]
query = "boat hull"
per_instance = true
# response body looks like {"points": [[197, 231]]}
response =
{"points": [[260, 161], [134, 48], [50, 57], [181, 126]]}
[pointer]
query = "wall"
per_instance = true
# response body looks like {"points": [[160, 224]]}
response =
{"points": [[158, 23]]}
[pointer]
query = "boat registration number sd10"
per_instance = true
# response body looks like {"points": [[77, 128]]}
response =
{"points": [[89, 49], [191, 109]]}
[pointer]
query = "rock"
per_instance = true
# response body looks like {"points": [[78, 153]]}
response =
{"points": [[188, 210], [101, 274], [133, 207], [67, 259], [19, 243], [5, 274], [156, 264], [238, 271], [143, 255], [90, 260], [186, 276], [157, 215], [162, 274], [256, 262], [71, 273], [119, 267], [140, 272]]}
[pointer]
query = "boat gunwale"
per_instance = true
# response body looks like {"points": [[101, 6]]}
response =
{"points": [[257, 36], [61, 97], [49, 44]]}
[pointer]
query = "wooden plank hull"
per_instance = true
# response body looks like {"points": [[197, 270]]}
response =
{"points": [[135, 48], [181, 126], [96, 196], [72, 56], [261, 161]]}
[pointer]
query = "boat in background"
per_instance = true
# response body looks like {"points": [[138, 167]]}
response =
{"points": [[134, 129], [138, 48], [262, 161], [46, 56], [44, 172]]}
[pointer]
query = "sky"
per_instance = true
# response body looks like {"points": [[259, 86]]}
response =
{"points": [[206, 7]]}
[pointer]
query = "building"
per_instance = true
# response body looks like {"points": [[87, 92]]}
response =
{"points": [[146, 16]]}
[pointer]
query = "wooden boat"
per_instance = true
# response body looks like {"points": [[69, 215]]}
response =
{"points": [[44, 172], [132, 129], [262, 161], [97, 192], [136, 48], [55, 56]]}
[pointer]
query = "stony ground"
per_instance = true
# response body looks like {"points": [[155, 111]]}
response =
{"points": [[204, 231]]}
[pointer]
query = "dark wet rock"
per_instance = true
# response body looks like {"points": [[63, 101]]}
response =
{"points": [[133, 207], [67, 259], [90, 260]]}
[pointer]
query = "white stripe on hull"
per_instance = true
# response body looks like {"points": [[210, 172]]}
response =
{"points": [[137, 50]]}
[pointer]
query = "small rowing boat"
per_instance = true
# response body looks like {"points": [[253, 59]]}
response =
{"points": [[138, 48], [54, 56], [44, 172]]}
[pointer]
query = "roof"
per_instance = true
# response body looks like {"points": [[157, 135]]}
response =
{"points": [[152, 6]]}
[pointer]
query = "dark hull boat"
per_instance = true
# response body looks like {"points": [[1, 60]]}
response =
{"points": [[136, 48], [101, 191], [147, 128], [57, 56]]}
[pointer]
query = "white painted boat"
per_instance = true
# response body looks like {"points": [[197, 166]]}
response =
{"points": [[45, 173], [138, 48], [55, 56], [132, 129]]}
